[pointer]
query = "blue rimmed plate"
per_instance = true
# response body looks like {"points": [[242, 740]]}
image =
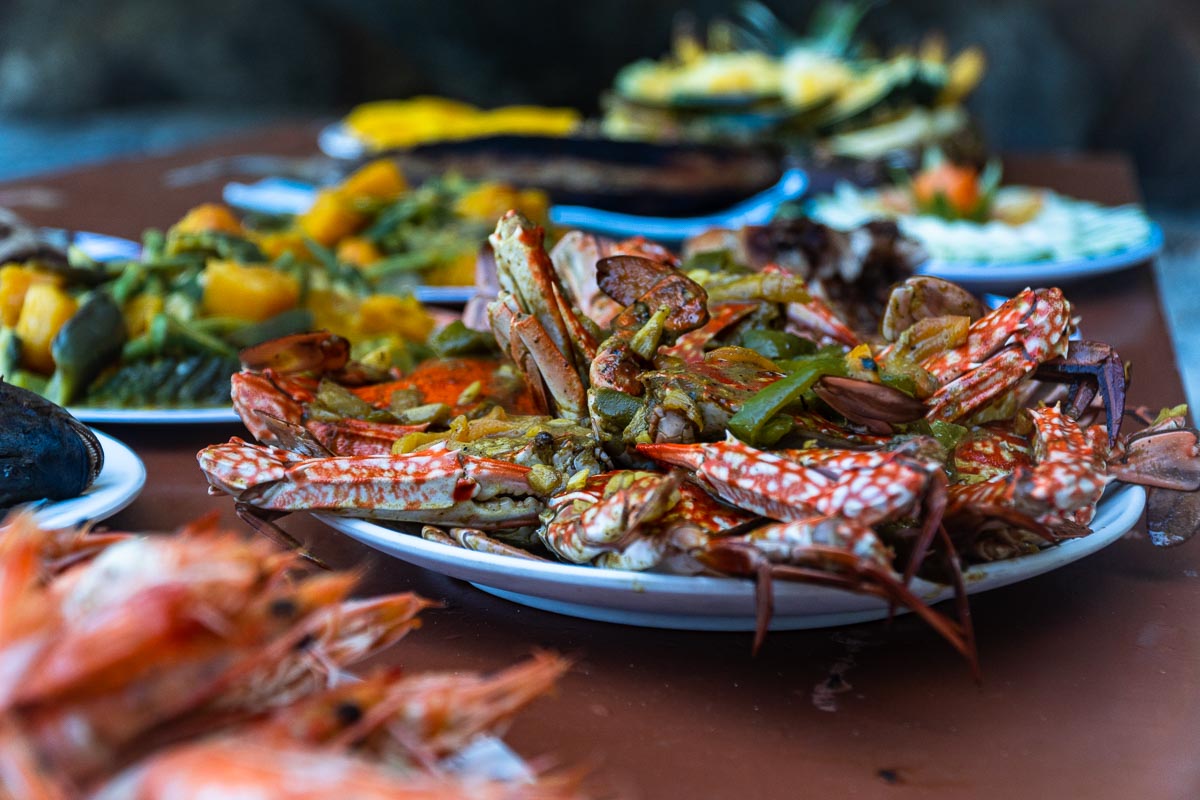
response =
{"points": [[1044, 273]]}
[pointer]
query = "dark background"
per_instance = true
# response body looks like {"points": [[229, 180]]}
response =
{"points": [[79, 80]]}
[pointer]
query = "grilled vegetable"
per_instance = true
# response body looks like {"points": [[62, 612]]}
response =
{"points": [[85, 345], [43, 313]]}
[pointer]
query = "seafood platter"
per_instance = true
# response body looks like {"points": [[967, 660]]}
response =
{"points": [[777, 426], [779, 404]]}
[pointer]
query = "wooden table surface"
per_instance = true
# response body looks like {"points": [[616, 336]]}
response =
{"points": [[1091, 673]]}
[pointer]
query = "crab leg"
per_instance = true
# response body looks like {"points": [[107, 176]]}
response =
{"points": [[828, 551], [529, 319], [434, 485], [868, 487], [525, 272], [1062, 487], [758, 481], [1001, 348]]}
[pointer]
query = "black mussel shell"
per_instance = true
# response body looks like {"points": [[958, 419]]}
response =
{"points": [[45, 453]]}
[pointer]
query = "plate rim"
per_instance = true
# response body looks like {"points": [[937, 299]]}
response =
{"points": [[1126, 503], [336, 140], [121, 464], [197, 415], [979, 273]]}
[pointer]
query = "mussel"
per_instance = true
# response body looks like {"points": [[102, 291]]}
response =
{"points": [[45, 453]]}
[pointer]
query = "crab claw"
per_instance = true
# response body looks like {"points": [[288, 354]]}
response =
{"points": [[435, 485], [1092, 368], [1165, 458], [1001, 349], [754, 480], [321, 351], [533, 322]]}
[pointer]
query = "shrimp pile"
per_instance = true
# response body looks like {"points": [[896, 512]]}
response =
{"points": [[204, 664]]}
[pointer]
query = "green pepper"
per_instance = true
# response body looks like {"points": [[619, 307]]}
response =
{"points": [[899, 380], [711, 261], [456, 339], [614, 407], [777, 345], [754, 419], [88, 342]]}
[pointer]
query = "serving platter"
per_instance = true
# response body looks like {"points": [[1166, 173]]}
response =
{"points": [[710, 603], [119, 482]]}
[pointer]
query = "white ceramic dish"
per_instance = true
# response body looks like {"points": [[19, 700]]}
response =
{"points": [[102, 247], [154, 416], [119, 482], [703, 603], [336, 140]]}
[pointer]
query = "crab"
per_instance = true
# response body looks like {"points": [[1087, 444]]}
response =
{"points": [[617, 452], [294, 381]]}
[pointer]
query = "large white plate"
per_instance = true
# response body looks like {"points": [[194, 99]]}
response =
{"points": [[336, 140], [119, 482], [153, 416], [703, 603], [1044, 273]]}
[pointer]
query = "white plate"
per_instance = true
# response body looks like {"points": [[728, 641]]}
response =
{"points": [[703, 603], [102, 247], [1043, 273], [153, 416], [336, 140], [119, 482]]}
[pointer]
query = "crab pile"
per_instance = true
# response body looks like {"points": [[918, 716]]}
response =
{"points": [[205, 665], [718, 415]]}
